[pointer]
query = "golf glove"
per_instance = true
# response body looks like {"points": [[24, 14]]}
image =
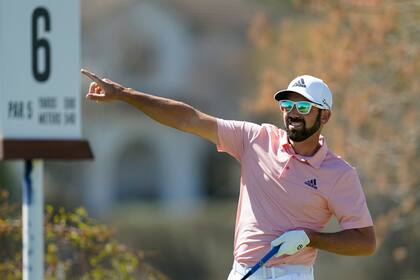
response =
{"points": [[291, 242]]}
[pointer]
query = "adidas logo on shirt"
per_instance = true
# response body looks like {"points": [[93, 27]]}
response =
{"points": [[300, 83], [311, 183]]}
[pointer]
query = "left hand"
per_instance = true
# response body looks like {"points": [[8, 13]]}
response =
{"points": [[102, 90], [291, 242]]}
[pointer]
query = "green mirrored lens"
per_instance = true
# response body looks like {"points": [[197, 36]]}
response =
{"points": [[286, 105], [303, 107]]}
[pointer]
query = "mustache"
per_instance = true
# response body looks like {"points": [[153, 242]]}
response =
{"points": [[293, 119]]}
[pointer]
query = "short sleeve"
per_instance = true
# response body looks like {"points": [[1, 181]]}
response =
{"points": [[234, 136], [348, 203]]}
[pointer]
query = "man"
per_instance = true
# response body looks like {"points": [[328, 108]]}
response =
{"points": [[290, 186]]}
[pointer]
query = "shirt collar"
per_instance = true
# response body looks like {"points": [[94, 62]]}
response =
{"points": [[315, 160]]}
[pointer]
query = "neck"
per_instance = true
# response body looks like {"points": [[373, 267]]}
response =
{"points": [[308, 147]]}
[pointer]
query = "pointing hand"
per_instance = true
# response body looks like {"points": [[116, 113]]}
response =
{"points": [[102, 90]]}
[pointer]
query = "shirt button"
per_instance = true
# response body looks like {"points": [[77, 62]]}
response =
{"points": [[287, 167]]}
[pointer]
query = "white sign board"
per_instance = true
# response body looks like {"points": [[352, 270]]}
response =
{"points": [[39, 69]]}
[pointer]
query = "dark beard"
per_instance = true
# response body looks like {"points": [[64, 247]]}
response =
{"points": [[304, 133]]}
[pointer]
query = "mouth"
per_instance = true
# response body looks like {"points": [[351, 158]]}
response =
{"points": [[293, 123]]}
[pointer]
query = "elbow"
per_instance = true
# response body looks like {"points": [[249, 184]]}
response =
{"points": [[370, 249], [367, 241], [370, 246]]}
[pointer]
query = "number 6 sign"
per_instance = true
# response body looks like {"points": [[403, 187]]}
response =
{"points": [[39, 69], [41, 13], [39, 103]]}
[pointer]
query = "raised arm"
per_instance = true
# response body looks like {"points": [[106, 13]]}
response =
{"points": [[166, 111]]}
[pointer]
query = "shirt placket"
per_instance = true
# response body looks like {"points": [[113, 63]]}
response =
{"points": [[286, 166]]}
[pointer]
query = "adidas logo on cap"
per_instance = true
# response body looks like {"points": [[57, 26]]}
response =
{"points": [[300, 83]]}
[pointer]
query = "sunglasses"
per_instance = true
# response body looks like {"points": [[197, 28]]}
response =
{"points": [[303, 107]]}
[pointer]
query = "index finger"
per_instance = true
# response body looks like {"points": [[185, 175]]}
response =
{"points": [[92, 76]]}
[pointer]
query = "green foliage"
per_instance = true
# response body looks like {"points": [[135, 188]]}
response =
{"points": [[76, 247], [6, 181]]}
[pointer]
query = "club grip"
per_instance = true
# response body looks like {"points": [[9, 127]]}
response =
{"points": [[263, 260]]}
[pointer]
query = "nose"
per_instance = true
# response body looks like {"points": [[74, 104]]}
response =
{"points": [[294, 113]]}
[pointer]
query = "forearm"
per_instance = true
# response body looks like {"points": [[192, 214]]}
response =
{"points": [[166, 111], [163, 110], [352, 242], [172, 113]]}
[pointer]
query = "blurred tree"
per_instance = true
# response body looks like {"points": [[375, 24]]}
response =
{"points": [[368, 53], [6, 181], [76, 247]]}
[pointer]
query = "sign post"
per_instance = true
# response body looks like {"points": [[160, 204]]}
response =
{"points": [[40, 115], [32, 221]]}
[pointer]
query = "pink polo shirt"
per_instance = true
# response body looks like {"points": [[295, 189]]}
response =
{"points": [[282, 191]]}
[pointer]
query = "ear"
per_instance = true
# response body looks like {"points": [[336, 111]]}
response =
{"points": [[325, 116]]}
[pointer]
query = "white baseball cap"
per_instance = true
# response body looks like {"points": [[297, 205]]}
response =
{"points": [[311, 88]]}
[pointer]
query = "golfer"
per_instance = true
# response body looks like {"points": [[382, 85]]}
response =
{"points": [[291, 183]]}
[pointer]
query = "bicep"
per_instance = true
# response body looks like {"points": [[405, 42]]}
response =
{"points": [[205, 126], [366, 232]]}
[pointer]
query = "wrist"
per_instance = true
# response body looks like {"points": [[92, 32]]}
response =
{"points": [[312, 237], [124, 93]]}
